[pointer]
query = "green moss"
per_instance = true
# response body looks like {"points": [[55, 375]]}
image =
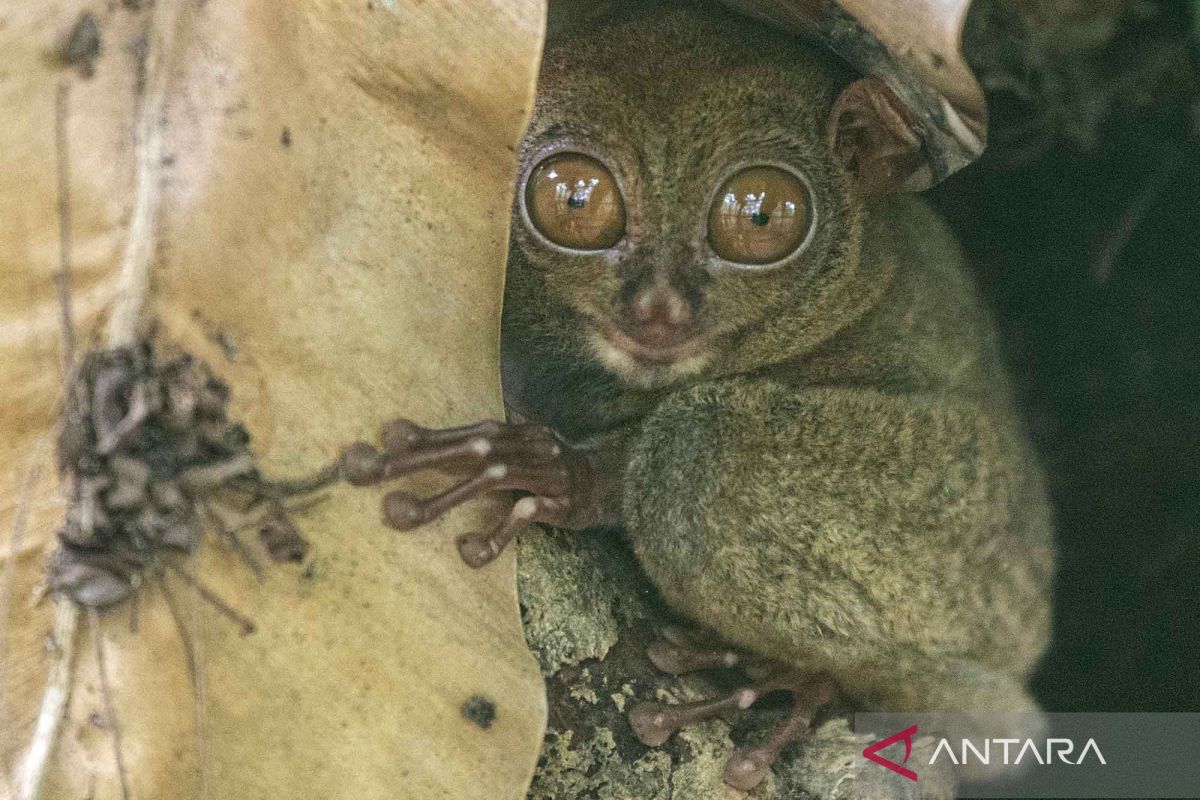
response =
{"points": [[592, 769], [566, 603], [589, 613]]}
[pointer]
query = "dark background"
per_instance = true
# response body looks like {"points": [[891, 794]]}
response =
{"points": [[1084, 223]]}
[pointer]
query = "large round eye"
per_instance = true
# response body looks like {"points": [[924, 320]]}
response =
{"points": [[574, 201], [760, 215]]}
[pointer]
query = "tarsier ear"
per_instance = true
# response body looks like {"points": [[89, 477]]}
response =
{"points": [[870, 131]]}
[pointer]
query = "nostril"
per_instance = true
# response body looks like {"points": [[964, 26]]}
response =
{"points": [[676, 309]]}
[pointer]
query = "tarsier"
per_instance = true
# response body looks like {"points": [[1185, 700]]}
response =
{"points": [[733, 336]]}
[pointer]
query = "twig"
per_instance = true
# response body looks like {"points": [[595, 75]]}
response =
{"points": [[110, 711], [196, 673], [276, 490], [1151, 188], [230, 535], [246, 624], [54, 700], [142, 242], [15, 542], [200, 694], [62, 280]]}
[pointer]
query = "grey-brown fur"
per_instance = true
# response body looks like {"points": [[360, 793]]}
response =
{"points": [[844, 484]]}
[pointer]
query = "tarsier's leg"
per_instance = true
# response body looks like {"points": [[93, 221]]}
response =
{"points": [[561, 480], [653, 723], [899, 542]]}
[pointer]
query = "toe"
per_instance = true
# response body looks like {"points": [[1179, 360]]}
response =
{"points": [[745, 770], [651, 723]]}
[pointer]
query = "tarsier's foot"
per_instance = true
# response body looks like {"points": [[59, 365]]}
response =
{"points": [[496, 456], [653, 723]]}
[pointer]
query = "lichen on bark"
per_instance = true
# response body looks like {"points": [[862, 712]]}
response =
{"points": [[589, 613]]}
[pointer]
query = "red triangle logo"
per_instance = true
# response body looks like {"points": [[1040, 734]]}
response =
{"points": [[872, 752]]}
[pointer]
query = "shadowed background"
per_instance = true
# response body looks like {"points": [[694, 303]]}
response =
{"points": [[1084, 226]]}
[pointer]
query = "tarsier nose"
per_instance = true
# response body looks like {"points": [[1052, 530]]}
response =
{"points": [[660, 316]]}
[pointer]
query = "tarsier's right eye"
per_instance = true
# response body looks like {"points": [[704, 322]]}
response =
{"points": [[574, 201]]}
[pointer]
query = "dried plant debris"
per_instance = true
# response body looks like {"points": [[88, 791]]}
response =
{"points": [[1063, 69], [152, 461], [81, 48]]}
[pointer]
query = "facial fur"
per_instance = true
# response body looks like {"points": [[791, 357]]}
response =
{"points": [[673, 114]]}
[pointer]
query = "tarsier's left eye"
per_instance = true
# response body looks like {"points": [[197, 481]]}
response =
{"points": [[574, 201], [760, 215]]}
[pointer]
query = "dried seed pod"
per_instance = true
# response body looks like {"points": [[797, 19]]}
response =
{"points": [[86, 516], [167, 496], [206, 477], [87, 584], [145, 444], [282, 540], [212, 398], [227, 437], [182, 533], [132, 476]]}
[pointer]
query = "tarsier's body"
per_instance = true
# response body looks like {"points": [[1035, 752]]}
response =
{"points": [[817, 458]]}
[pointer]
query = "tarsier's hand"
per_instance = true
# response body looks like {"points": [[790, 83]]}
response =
{"points": [[496, 456]]}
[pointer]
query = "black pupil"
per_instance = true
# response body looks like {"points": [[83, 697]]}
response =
{"points": [[575, 201], [761, 218]]}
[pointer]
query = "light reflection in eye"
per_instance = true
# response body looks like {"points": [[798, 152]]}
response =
{"points": [[575, 202], [761, 215], [576, 196], [752, 206]]}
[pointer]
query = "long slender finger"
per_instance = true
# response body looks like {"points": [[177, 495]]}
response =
{"points": [[653, 723], [678, 659], [404, 512], [511, 443], [471, 449], [363, 464], [747, 767], [478, 549], [402, 436], [399, 435]]}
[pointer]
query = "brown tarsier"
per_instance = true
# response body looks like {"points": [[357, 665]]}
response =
{"points": [[737, 341]]}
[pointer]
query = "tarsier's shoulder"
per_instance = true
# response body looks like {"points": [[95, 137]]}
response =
{"points": [[929, 331]]}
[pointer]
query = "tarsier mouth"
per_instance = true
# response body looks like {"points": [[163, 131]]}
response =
{"points": [[651, 355]]}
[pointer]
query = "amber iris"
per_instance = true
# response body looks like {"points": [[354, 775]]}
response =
{"points": [[760, 215], [574, 201]]}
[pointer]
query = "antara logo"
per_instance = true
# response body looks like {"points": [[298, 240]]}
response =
{"points": [[872, 752], [1052, 749]]}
